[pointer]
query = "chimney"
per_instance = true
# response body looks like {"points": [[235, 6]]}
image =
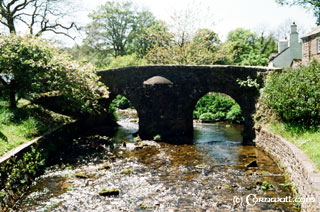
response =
{"points": [[294, 28], [294, 36], [282, 45]]}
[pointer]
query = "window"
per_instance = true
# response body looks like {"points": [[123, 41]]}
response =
{"points": [[318, 45]]}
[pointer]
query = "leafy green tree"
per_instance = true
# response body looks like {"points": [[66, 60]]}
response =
{"points": [[116, 29], [313, 5], [158, 35], [199, 51], [126, 60], [35, 66], [248, 48], [137, 43]]}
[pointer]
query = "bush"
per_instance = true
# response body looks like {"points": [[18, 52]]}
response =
{"points": [[216, 107], [122, 102], [235, 114], [206, 117], [31, 127], [6, 116], [294, 95], [37, 67], [126, 60]]}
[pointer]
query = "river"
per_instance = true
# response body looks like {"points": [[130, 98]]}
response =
{"points": [[216, 173]]}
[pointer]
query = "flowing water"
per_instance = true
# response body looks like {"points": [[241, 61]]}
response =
{"points": [[213, 174]]}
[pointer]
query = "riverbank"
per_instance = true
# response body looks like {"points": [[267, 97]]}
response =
{"points": [[20, 166], [308, 140], [145, 175], [28, 121], [302, 172]]}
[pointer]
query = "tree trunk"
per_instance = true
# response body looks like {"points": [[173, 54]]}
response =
{"points": [[11, 25], [13, 103], [12, 95]]}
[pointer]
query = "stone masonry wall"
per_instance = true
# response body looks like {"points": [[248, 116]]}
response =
{"points": [[310, 49], [301, 170]]}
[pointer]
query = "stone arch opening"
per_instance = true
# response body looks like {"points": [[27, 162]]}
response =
{"points": [[217, 107], [246, 104], [124, 111], [165, 95]]}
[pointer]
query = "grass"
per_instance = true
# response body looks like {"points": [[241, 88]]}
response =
{"points": [[308, 140], [28, 121]]}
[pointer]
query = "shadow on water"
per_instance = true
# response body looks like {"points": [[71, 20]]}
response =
{"points": [[203, 176]]}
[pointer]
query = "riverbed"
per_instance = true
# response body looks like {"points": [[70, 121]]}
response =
{"points": [[216, 173]]}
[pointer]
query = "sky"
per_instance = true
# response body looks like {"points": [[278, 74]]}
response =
{"points": [[226, 15]]}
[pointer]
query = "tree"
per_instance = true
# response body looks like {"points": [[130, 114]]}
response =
{"points": [[38, 16], [138, 44], [200, 50], [116, 27], [313, 5], [186, 22], [36, 67], [248, 48]]}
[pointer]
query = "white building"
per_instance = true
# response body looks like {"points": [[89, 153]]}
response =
{"points": [[289, 51]]}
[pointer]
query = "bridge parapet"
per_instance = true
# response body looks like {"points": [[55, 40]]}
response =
{"points": [[165, 96]]}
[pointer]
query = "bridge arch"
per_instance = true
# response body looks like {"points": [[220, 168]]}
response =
{"points": [[166, 108]]}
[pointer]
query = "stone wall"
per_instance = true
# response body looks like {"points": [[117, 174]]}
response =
{"points": [[310, 49], [302, 172], [165, 95]]}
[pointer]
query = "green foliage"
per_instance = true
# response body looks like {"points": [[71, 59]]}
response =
{"points": [[37, 67], [25, 122], [305, 138], [293, 95], [249, 84], [126, 60], [248, 48], [199, 51], [216, 107], [122, 102], [265, 186], [7, 116], [31, 128], [157, 137], [117, 28], [17, 175], [308, 4], [242, 47], [234, 115]]}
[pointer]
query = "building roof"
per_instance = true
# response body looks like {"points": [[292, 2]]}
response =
{"points": [[275, 55], [315, 31]]}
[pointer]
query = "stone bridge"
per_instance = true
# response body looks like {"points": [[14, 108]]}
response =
{"points": [[165, 96]]}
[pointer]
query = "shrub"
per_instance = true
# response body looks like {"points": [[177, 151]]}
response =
{"points": [[31, 127], [126, 60], [122, 102], [36, 67], [6, 116], [294, 95], [235, 115], [206, 117], [216, 107]]}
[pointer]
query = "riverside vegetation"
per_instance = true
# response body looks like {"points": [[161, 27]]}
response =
{"points": [[31, 69], [212, 107], [289, 105]]}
